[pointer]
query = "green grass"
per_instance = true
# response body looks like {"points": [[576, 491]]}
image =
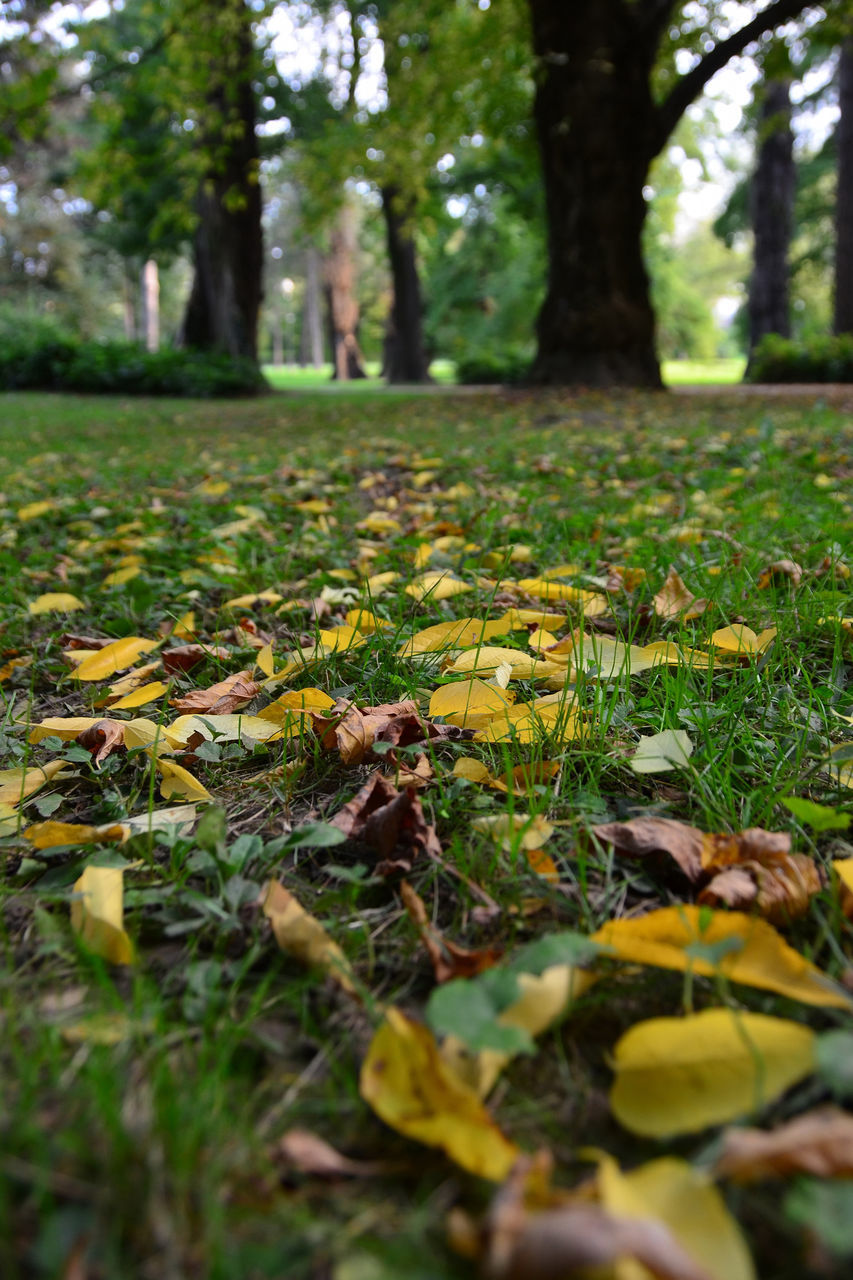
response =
{"points": [[294, 378], [677, 373], [160, 1153]]}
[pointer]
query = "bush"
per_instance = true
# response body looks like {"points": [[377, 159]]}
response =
{"points": [[36, 353], [510, 368], [821, 359]]}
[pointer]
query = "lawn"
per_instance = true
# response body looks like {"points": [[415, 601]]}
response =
{"points": [[469, 790]]}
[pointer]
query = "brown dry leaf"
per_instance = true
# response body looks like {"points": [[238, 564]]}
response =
{"points": [[407, 773], [390, 822], [644, 836], [819, 1143], [186, 656], [780, 571], [553, 1243], [307, 1152], [71, 640], [102, 739], [448, 959], [354, 730], [757, 867], [675, 601], [518, 780], [222, 698]]}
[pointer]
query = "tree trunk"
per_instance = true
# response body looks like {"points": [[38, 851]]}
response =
{"points": [[343, 309], [843, 322], [596, 123], [222, 312], [149, 287], [405, 359], [311, 343], [772, 216], [128, 309]]}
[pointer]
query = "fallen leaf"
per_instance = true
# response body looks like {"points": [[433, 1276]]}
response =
{"points": [[140, 697], [55, 602], [520, 780], [642, 837], [354, 730], [780, 571], [742, 640], [222, 698], [436, 586], [66, 728], [301, 935], [662, 751], [184, 657], [682, 1199], [113, 657], [819, 1143], [219, 728], [757, 866], [308, 1153], [448, 960], [390, 822], [674, 600], [680, 1075], [740, 948], [19, 784], [488, 658], [181, 816], [469, 704], [405, 1081], [177, 781], [515, 830], [97, 914], [101, 739], [47, 835]]}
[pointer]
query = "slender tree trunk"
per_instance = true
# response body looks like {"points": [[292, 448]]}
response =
{"points": [[772, 216], [150, 297], [343, 309], [222, 312], [311, 345], [128, 308], [844, 201], [596, 124], [405, 356]]}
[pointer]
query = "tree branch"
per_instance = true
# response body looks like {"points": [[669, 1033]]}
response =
{"points": [[689, 87]]}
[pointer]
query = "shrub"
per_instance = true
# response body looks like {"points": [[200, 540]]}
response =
{"points": [[820, 359], [508, 367], [36, 353]]}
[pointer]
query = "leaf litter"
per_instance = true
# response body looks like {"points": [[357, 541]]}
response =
{"points": [[406, 758]]}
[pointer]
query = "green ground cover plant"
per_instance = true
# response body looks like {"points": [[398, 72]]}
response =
{"points": [[424, 824]]}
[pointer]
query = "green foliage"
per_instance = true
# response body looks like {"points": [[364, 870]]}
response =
{"points": [[509, 367], [37, 352], [821, 359]]}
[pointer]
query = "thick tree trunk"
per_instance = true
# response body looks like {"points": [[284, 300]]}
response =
{"points": [[405, 358], [222, 312], [772, 216], [343, 310], [596, 123], [844, 201], [311, 341]]}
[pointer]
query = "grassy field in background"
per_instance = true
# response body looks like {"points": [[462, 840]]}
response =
{"points": [[155, 1067]]}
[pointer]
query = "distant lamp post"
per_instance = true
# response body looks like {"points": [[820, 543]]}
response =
{"points": [[287, 287]]}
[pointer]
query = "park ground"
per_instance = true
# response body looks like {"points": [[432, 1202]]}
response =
{"points": [[332, 902]]}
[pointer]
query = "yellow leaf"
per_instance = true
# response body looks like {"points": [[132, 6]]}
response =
{"points": [[736, 946], [517, 619], [133, 680], [680, 1075], [406, 1082], [661, 752], [377, 583], [341, 638], [264, 660], [9, 819], [96, 914], [230, 727], [687, 1202], [18, 784], [515, 830], [141, 732], [489, 657], [120, 576], [519, 780], [141, 697], [844, 868], [531, 721], [301, 935], [46, 835], [115, 657], [179, 782], [249, 601], [469, 704], [546, 589], [463, 633], [34, 509], [436, 586], [65, 728], [55, 602], [292, 706], [366, 622], [740, 639]]}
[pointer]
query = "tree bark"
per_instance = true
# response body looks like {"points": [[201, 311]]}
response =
{"points": [[595, 121], [772, 216], [843, 319], [343, 310], [405, 357], [149, 288], [311, 342], [222, 311]]}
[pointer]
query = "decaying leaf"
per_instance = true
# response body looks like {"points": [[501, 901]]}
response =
{"points": [[101, 739], [644, 837], [353, 730], [680, 1075], [780, 571], [391, 823], [405, 1081], [97, 914], [301, 935], [674, 600], [184, 657], [448, 960], [819, 1143], [220, 699]]}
